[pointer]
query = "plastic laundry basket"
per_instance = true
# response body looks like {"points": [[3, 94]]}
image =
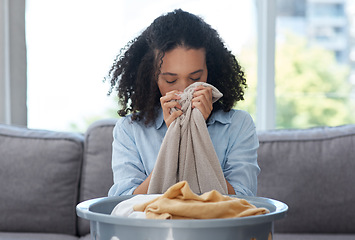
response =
{"points": [[103, 226]]}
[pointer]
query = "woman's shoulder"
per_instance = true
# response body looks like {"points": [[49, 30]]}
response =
{"points": [[124, 121], [239, 113], [232, 116], [127, 124]]}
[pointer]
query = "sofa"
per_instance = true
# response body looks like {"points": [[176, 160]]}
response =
{"points": [[45, 174]]}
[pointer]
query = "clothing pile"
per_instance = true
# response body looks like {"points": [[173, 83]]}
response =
{"points": [[179, 202]]}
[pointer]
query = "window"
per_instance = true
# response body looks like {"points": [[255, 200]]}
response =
{"points": [[327, 9], [71, 49], [313, 68], [72, 44]]}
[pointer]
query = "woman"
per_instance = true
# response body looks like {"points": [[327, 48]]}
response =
{"points": [[176, 50]]}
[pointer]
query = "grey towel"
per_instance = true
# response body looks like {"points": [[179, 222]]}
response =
{"points": [[187, 152]]}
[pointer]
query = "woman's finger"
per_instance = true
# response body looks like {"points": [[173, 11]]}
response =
{"points": [[203, 100], [172, 117], [172, 104], [204, 91], [173, 95], [167, 103]]}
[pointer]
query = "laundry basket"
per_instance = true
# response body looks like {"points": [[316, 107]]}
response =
{"points": [[103, 226]]}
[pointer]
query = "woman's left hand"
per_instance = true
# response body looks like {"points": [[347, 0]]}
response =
{"points": [[202, 100]]}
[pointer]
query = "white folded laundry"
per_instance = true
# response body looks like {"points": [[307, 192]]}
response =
{"points": [[125, 208]]}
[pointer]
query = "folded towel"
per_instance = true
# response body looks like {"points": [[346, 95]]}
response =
{"points": [[179, 202], [187, 152]]}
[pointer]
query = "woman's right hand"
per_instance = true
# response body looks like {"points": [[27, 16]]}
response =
{"points": [[167, 103]]}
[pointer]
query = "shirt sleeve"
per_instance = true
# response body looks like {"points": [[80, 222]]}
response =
{"points": [[127, 167], [241, 168]]}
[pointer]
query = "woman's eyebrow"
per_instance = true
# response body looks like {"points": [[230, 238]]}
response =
{"points": [[169, 73], [198, 71], [174, 74]]}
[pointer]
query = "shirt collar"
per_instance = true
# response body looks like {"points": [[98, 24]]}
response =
{"points": [[217, 116], [160, 119]]}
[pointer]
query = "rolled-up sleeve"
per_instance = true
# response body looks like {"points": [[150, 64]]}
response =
{"points": [[127, 166]]}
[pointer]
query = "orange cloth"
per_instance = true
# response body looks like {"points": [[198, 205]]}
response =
{"points": [[179, 202]]}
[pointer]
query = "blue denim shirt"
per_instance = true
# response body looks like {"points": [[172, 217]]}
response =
{"points": [[136, 147]]}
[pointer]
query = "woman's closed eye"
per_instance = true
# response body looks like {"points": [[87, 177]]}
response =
{"points": [[172, 81], [196, 76]]}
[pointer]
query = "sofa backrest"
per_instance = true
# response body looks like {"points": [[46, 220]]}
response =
{"points": [[97, 175], [39, 179], [312, 171]]}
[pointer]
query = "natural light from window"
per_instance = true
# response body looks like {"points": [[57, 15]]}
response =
{"points": [[71, 46]]}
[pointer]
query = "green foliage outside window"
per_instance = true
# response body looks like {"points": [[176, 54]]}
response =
{"points": [[311, 88]]}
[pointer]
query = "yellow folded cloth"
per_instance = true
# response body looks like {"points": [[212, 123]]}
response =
{"points": [[179, 202]]}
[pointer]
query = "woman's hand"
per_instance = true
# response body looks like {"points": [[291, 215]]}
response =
{"points": [[167, 103], [203, 100]]}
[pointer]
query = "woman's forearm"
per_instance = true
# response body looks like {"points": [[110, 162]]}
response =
{"points": [[230, 188], [143, 188]]}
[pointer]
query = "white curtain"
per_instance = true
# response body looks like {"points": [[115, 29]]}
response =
{"points": [[13, 63]]}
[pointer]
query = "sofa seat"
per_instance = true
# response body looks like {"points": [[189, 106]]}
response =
{"points": [[298, 236], [35, 236]]}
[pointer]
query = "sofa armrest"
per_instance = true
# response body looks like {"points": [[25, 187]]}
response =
{"points": [[312, 171], [39, 179]]}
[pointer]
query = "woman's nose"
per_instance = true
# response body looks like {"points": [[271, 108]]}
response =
{"points": [[184, 84]]}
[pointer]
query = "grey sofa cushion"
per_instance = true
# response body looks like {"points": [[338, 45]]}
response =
{"points": [[296, 236], [39, 178], [35, 236], [97, 172], [313, 172]]}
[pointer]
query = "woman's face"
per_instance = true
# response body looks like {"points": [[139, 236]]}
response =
{"points": [[180, 68]]}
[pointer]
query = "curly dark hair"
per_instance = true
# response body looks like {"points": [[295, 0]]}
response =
{"points": [[135, 71]]}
